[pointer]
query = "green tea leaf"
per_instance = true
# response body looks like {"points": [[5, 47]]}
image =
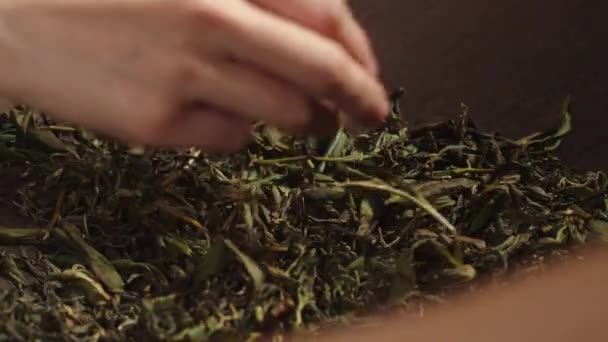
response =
{"points": [[404, 278], [23, 236], [9, 268], [600, 228], [213, 263], [257, 275], [366, 216], [98, 263], [287, 235], [93, 290]]}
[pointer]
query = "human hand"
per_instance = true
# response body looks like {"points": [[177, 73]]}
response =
{"points": [[190, 72]]}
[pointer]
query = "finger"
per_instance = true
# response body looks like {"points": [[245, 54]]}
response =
{"points": [[257, 96], [325, 119], [319, 66], [208, 129], [347, 122], [331, 18]]}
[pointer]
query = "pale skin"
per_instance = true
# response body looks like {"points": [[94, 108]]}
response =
{"points": [[199, 72], [191, 72]]}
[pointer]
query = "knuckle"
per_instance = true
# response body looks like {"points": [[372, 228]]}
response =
{"points": [[212, 14], [332, 19], [158, 118], [184, 74]]}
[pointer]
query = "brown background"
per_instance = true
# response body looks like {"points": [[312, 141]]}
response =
{"points": [[511, 61]]}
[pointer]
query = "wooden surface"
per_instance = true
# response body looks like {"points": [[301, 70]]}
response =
{"points": [[511, 61]]}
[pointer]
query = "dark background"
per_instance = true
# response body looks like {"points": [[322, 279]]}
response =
{"points": [[511, 61]]}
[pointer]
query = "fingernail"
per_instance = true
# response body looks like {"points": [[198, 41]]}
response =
{"points": [[381, 110]]}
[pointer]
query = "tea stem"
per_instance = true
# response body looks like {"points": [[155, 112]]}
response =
{"points": [[418, 199]]}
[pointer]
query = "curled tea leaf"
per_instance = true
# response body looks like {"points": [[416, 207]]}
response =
{"points": [[80, 279]]}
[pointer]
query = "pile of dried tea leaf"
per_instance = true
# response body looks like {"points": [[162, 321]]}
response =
{"points": [[291, 234]]}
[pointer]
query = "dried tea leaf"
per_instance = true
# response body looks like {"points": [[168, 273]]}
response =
{"points": [[323, 229], [336, 148], [257, 275], [98, 263], [404, 278], [513, 243], [213, 263], [197, 333], [78, 278], [179, 214], [366, 217], [130, 266], [357, 264], [45, 137], [416, 198], [9, 268], [161, 303], [23, 236], [600, 228], [176, 246], [491, 206], [462, 273], [434, 189], [325, 193], [551, 139]]}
